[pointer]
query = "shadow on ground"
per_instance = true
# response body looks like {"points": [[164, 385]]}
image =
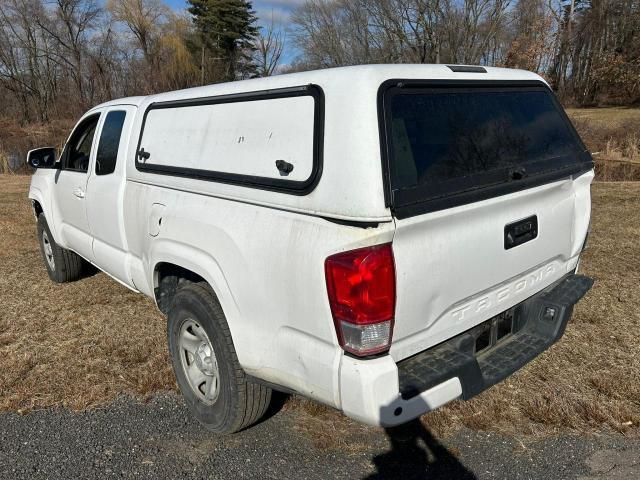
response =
{"points": [[410, 452], [414, 454]]}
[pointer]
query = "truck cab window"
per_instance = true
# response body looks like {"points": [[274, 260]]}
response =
{"points": [[78, 150], [109, 143]]}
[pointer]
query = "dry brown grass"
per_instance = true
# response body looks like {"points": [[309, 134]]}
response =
{"points": [[4, 162], [613, 136], [75, 345], [82, 344], [16, 139], [614, 117]]}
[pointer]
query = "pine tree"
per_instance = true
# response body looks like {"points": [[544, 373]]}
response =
{"points": [[227, 30]]}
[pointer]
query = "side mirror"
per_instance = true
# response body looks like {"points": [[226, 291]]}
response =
{"points": [[42, 158]]}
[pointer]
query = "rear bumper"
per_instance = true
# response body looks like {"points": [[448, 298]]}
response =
{"points": [[381, 392]]}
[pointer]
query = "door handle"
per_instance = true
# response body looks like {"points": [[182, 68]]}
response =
{"points": [[78, 192]]}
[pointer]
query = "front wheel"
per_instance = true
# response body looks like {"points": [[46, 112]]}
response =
{"points": [[62, 265], [215, 388]]}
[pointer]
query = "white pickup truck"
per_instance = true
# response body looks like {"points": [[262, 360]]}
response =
{"points": [[382, 239]]}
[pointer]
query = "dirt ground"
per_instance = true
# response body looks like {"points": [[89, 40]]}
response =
{"points": [[82, 344]]}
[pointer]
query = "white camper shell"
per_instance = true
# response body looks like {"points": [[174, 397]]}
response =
{"points": [[382, 239]]}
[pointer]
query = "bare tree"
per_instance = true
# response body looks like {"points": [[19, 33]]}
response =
{"points": [[406, 30], [269, 47], [144, 18], [340, 32], [319, 33], [531, 39], [25, 57], [68, 28]]}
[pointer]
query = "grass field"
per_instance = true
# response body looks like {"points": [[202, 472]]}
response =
{"points": [[613, 136], [609, 117], [82, 344], [78, 344]]}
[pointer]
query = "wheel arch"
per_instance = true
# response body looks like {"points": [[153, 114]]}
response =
{"points": [[37, 208], [40, 206], [187, 263]]}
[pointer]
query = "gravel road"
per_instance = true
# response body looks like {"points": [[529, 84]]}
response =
{"points": [[158, 439]]}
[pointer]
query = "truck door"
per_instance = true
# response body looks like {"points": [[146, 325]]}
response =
{"points": [[70, 188], [105, 191]]}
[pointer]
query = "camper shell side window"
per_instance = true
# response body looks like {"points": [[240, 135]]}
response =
{"points": [[268, 140]]}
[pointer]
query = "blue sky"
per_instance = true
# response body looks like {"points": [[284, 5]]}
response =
{"points": [[265, 9]]}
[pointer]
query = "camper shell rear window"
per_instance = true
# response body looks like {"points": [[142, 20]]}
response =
{"points": [[268, 140], [451, 143]]}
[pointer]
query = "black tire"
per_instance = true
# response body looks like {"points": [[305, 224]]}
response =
{"points": [[240, 402], [62, 265]]}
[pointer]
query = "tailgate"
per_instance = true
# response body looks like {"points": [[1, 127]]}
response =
{"points": [[489, 185], [453, 271]]}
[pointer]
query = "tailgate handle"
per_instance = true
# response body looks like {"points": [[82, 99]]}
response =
{"points": [[520, 232]]}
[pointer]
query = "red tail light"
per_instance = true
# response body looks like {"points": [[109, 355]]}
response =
{"points": [[362, 294]]}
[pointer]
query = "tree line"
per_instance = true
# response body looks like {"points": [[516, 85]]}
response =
{"points": [[588, 50], [59, 57]]}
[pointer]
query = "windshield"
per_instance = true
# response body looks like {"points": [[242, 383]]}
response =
{"points": [[444, 141]]}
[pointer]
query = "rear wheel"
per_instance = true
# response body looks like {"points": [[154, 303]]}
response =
{"points": [[216, 389], [62, 265]]}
